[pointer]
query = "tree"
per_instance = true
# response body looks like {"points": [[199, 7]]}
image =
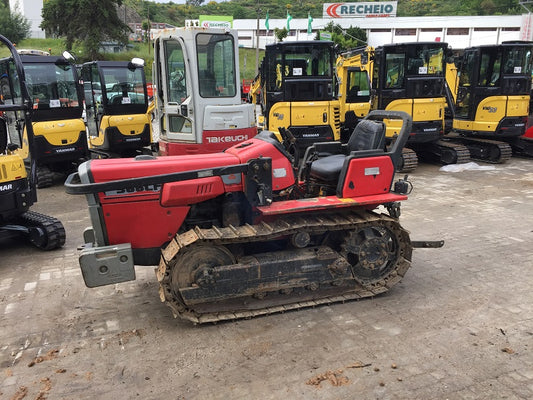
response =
{"points": [[281, 33], [13, 26], [146, 29], [84, 21], [346, 38]]}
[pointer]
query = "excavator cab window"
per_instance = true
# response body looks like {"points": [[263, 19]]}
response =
{"points": [[216, 65], [177, 75], [358, 86], [93, 97], [123, 86], [489, 68], [394, 66], [10, 94], [53, 88], [517, 68]]}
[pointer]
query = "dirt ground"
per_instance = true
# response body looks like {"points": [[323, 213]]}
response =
{"points": [[459, 325]]}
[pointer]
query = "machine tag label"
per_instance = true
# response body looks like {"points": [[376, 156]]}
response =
{"points": [[372, 171], [279, 172]]}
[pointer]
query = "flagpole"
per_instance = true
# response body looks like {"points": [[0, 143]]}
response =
{"points": [[257, 41]]}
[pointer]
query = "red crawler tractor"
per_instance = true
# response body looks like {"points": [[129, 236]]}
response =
{"points": [[245, 232]]}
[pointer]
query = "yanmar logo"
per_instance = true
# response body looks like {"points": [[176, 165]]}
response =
{"points": [[5, 188], [67, 150], [360, 9]]}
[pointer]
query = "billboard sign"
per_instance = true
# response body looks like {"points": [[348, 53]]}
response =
{"points": [[360, 10], [216, 21]]}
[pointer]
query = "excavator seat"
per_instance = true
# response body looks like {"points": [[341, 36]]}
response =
{"points": [[368, 138]]}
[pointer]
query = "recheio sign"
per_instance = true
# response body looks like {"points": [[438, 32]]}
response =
{"points": [[216, 21], [360, 10]]}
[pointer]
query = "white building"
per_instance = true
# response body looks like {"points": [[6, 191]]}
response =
{"points": [[31, 9], [458, 31]]}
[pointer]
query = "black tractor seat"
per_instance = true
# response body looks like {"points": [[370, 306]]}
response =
{"points": [[367, 139]]}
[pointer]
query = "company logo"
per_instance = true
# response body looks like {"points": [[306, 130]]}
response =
{"points": [[227, 139], [67, 150], [490, 109], [216, 24], [361, 9], [137, 189], [4, 188]]}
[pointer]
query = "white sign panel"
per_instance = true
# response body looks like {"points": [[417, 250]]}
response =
{"points": [[360, 10]]}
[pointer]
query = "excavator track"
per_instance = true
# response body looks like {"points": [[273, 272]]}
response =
{"points": [[45, 177], [453, 153], [45, 232], [522, 146], [365, 255], [409, 160], [485, 150], [444, 152]]}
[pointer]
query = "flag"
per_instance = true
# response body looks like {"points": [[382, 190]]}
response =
{"points": [[267, 24], [309, 23], [289, 17]]}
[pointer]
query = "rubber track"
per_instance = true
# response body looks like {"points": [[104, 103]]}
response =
{"points": [[506, 150], [286, 225], [45, 177], [54, 229], [524, 148], [410, 160], [461, 151]]}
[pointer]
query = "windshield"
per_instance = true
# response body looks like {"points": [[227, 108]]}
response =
{"points": [[413, 61], [426, 60], [216, 65], [51, 86], [518, 60], [308, 61], [124, 85]]}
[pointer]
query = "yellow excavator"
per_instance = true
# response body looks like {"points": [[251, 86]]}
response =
{"points": [[118, 120], [60, 140], [17, 184], [406, 77], [297, 83], [489, 95]]}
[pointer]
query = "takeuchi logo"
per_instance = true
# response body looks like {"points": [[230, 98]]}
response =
{"points": [[340, 10]]}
